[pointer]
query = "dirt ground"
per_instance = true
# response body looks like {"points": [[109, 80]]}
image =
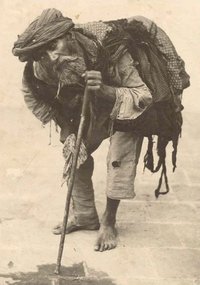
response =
{"points": [[159, 241]]}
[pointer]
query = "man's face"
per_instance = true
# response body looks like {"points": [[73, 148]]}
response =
{"points": [[67, 60]]}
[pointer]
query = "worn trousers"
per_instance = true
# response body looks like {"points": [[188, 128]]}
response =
{"points": [[122, 160]]}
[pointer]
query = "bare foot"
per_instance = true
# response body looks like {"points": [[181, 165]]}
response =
{"points": [[107, 238], [72, 227]]}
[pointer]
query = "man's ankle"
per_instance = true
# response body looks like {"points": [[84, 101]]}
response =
{"points": [[108, 219]]}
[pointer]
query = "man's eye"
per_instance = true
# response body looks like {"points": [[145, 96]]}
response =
{"points": [[52, 45]]}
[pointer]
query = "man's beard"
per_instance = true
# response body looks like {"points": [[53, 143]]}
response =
{"points": [[69, 72]]}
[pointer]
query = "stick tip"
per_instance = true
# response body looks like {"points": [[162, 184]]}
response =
{"points": [[57, 271]]}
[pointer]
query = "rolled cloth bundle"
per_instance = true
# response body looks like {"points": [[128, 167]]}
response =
{"points": [[49, 26]]}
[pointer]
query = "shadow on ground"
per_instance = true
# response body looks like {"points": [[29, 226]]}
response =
{"points": [[74, 275]]}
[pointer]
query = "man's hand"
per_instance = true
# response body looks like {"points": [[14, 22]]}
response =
{"points": [[94, 82], [93, 79]]}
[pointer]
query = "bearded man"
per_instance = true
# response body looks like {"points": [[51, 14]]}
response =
{"points": [[61, 59]]}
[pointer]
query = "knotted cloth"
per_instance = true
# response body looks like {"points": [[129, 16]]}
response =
{"points": [[49, 26], [68, 151]]}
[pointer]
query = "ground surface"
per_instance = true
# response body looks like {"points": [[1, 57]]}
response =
{"points": [[159, 241]]}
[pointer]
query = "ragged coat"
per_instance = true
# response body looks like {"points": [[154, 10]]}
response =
{"points": [[132, 93]]}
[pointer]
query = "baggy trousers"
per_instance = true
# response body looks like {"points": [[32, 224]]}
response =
{"points": [[122, 160]]}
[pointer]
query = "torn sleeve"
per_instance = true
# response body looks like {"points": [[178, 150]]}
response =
{"points": [[42, 110], [133, 97]]}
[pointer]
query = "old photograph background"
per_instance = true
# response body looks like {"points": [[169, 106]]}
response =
{"points": [[30, 168]]}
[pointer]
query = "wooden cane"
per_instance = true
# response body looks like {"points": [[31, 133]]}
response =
{"points": [[72, 176]]}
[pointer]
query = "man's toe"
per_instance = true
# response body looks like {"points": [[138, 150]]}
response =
{"points": [[101, 247], [106, 246], [97, 246]]}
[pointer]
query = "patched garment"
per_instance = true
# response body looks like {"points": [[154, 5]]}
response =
{"points": [[179, 79], [122, 163], [133, 97], [125, 147]]}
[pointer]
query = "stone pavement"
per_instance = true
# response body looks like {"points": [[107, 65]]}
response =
{"points": [[159, 240]]}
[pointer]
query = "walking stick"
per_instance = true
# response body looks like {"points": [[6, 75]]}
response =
{"points": [[72, 176]]}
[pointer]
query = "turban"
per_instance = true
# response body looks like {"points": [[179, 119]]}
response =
{"points": [[49, 26]]}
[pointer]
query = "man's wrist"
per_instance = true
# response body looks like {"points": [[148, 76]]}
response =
{"points": [[107, 92]]}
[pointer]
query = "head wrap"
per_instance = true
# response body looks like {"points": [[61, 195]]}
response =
{"points": [[47, 27]]}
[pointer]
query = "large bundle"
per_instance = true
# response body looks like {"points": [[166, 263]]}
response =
{"points": [[162, 69]]}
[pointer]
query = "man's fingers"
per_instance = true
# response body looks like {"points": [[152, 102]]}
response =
{"points": [[94, 82], [92, 74], [93, 79], [93, 88]]}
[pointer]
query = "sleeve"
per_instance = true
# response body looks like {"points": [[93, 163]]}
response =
{"points": [[133, 97], [42, 110]]}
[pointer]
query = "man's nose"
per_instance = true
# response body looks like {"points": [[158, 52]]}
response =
{"points": [[53, 55]]}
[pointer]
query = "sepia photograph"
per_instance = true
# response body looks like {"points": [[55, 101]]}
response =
{"points": [[100, 142]]}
